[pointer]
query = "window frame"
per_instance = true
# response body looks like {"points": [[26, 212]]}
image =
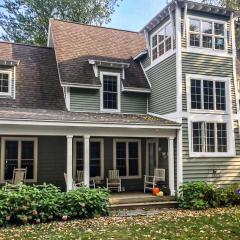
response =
{"points": [[228, 103], [230, 139], [19, 140], [117, 140], [166, 53], [204, 49], [101, 140], [9, 93], [102, 74]]}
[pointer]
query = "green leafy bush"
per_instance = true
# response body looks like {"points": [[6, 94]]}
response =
{"points": [[35, 204], [201, 195]]}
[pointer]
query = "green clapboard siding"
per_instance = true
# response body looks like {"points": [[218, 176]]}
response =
{"points": [[84, 100], [201, 169], [146, 61], [210, 66], [133, 102], [163, 81], [89, 99]]}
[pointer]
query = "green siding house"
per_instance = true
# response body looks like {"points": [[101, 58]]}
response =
{"points": [[97, 99]]}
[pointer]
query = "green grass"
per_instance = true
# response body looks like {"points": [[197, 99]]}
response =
{"points": [[211, 224]]}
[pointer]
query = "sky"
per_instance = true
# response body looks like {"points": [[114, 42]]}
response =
{"points": [[135, 14]]}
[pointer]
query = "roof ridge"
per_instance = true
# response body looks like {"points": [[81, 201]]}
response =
{"points": [[25, 44], [89, 25]]}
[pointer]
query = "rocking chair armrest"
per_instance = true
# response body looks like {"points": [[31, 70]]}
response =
{"points": [[148, 176]]}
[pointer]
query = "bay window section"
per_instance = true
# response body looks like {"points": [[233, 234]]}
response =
{"points": [[161, 41], [127, 158], [206, 34], [209, 137], [19, 153], [208, 95]]}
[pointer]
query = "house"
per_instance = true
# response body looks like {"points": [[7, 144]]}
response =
{"points": [[99, 98]]}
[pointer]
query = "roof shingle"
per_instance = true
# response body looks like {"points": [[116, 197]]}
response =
{"points": [[75, 43]]}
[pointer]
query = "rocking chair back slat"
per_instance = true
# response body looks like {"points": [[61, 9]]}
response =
{"points": [[160, 173], [19, 175], [80, 176], [113, 174]]}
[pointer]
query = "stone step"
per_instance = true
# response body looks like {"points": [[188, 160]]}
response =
{"points": [[138, 199], [165, 204]]}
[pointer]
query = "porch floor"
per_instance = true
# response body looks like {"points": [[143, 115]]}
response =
{"points": [[140, 200]]}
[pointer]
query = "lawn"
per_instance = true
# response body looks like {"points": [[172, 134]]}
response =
{"points": [[210, 224]]}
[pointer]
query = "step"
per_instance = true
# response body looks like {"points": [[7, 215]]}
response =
{"points": [[139, 199], [165, 204]]}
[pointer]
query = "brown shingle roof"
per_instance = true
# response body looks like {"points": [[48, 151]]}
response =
{"points": [[37, 82], [83, 117], [76, 43]]}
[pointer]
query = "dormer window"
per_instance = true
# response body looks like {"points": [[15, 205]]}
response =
{"points": [[206, 34], [110, 92], [162, 41], [5, 83]]}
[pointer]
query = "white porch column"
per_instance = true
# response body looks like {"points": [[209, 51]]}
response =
{"points": [[171, 165], [69, 162], [86, 160]]}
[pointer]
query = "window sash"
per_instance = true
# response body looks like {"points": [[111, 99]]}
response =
{"points": [[213, 95], [28, 161], [124, 163], [95, 161], [161, 41], [5, 83], [213, 36], [212, 137]]}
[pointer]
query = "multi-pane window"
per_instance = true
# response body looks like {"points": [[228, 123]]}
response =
{"points": [[4, 83], [208, 95], [20, 154], [95, 157], [128, 158], [209, 137], [206, 34], [110, 92], [162, 41]]}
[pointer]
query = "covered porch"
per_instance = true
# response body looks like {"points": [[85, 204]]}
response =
{"points": [[132, 144]]}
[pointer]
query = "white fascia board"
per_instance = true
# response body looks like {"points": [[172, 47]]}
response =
{"points": [[140, 54], [30, 122], [81, 86], [140, 90]]}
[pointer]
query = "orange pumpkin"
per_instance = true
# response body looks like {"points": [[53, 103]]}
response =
{"points": [[155, 191]]}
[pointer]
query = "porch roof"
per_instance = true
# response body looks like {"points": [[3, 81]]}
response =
{"points": [[24, 114]]}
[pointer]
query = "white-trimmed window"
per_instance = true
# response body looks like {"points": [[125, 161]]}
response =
{"points": [[161, 41], [96, 157], [206, 33], [209, 137], [127, 157], [110, 92], [19, 153], [5, 83], [208, 94]]}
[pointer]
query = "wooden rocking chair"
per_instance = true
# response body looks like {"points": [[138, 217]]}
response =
{"points": [[80, 179], [114, 181], [150, 182]]}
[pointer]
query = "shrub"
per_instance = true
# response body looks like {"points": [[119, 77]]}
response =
{"points": [[35, 204], [201, 195]]}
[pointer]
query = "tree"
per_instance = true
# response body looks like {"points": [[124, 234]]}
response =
{"points": [[26, 21], [230, 4]]}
